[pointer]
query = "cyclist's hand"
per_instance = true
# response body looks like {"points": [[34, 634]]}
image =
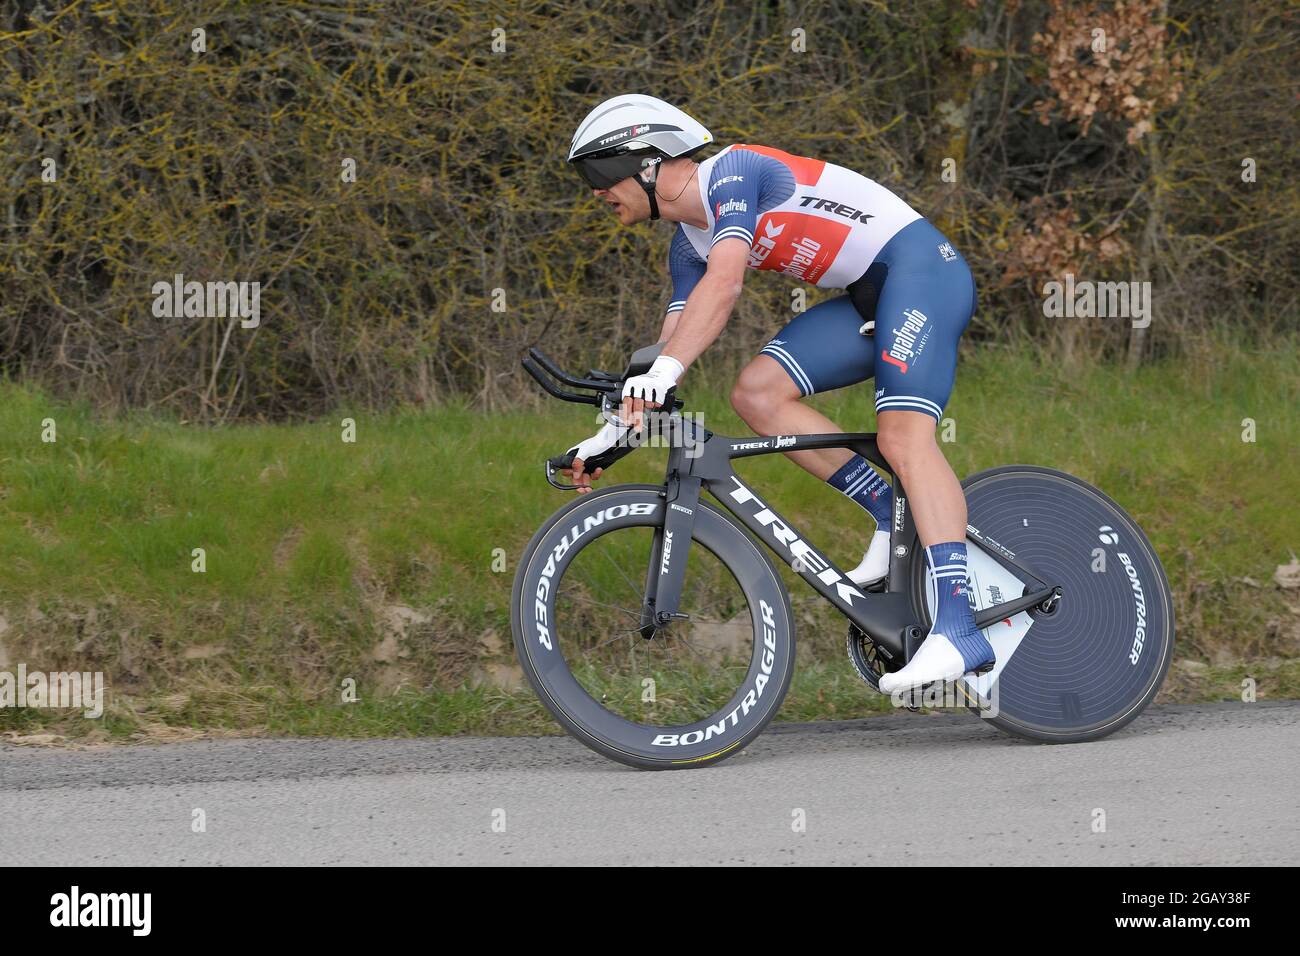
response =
{"points": [[649, 390], [581, 478], [602, 443]]}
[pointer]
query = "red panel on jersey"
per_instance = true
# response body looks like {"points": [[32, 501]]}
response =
{"points": [[796, 244], [806, 171]]}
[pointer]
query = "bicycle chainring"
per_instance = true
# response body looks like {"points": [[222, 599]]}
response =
{"points": [[864, 658]]}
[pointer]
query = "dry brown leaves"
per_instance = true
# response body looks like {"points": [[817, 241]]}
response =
{"points": [[1055, 244], [1108, 61]]}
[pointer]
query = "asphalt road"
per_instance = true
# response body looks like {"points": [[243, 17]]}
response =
{"points": [[1216, 784]]}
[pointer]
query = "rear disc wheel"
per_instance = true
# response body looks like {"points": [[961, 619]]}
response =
{"points": [[1091, 664]]}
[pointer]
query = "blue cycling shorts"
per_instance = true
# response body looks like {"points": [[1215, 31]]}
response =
{"points": [[923, 296]]}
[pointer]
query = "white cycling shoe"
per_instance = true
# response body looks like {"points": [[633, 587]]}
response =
{"points": [[875, 563]]}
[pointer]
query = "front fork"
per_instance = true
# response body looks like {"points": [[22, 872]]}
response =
{"points": [[668, 553]]}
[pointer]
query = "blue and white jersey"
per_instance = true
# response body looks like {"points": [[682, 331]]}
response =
{"points": [[821, 223]]}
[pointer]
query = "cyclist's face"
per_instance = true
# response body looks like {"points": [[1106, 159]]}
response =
{"points": [[628, 200]]}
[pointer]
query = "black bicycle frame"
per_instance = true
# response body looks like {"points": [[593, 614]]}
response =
{"points": [[701, 460]]}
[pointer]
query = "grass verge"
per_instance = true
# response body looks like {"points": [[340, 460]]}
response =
{"points": [[233, 580]]}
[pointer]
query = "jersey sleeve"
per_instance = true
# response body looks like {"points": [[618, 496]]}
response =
{"points": [[734, 183], [686, 268]]}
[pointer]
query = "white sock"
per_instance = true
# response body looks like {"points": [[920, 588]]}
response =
{"points": [[875, 563]]}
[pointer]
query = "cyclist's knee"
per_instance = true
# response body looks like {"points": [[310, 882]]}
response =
{"points": [[761, 390], [905, 439]]}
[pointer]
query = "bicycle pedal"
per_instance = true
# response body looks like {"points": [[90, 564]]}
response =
{"points": [[986, 668]]}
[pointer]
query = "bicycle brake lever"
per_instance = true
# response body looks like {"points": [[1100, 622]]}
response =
{"points": [[552, 464]]}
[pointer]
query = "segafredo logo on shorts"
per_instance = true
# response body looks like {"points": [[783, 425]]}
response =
{"points": [[747, 703], [542, 594], [730, 206], [1139, 606], [802, 557], [908, 340]]}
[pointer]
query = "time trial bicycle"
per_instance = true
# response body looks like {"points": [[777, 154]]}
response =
{"points": [[658, 632]]}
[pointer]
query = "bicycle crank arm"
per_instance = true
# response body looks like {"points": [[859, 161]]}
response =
{"points": [[998, 612]]}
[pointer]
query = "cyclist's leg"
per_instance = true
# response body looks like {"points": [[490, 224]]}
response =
{"points": [[817, 351], [923, 308], [820, 350]]}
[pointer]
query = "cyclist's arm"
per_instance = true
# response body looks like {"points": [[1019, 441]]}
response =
{"points": [[686, 268], [670, 325], [736, 182], [710, 303]]}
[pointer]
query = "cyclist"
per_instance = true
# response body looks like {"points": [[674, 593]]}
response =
{"points": [[909, 296]]}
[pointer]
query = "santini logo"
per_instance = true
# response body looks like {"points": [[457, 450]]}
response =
{"points": [[103, 909]]}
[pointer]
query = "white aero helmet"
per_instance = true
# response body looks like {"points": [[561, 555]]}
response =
{"points": [[626, 134]]}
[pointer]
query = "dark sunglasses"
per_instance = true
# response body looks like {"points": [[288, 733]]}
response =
{"points": [[602, 172]]}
